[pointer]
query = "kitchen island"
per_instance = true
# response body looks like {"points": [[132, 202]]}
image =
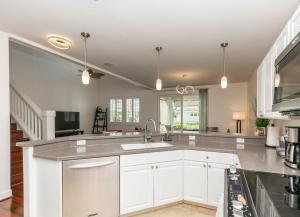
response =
{"points": [[210, 154]]}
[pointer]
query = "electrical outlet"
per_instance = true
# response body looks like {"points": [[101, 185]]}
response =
{"points": [[80, 142], [240, 140], [192, 138]]}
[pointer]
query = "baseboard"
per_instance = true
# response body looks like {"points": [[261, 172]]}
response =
{"points": [[5, 194]]}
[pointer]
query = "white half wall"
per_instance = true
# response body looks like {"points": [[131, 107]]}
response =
{"points": [[54, 83], [5, 190]]}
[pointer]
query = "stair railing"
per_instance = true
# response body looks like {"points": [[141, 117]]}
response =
{"points": [[36, 123]]}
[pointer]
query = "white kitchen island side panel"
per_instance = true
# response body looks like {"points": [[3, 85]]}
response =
{"points": [[42, 186]]}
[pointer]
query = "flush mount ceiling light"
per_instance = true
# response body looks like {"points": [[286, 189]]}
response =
{"points": [[224, 78], [185, 90], [59, 42], [158, 80], [85, 75]]}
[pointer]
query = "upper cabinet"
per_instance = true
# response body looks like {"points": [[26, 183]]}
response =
{"points": [[266, 70], [295, 24]]}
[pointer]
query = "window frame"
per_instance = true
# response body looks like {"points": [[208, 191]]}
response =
{"points": [[132, 110], [122, 111]]}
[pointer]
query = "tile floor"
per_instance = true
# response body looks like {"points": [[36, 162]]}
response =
{"points": [[181, 210]]}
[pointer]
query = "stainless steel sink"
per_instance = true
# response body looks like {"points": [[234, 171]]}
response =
{"points": [[145, 145]]}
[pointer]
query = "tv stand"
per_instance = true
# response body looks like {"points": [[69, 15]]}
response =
{"points": [[62, 133]]}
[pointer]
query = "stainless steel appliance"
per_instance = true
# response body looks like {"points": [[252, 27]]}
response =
{"points": [[91, 187], [292, 147], [287, 79]]}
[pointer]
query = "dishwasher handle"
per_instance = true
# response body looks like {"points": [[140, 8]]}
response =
{"points": [[91, 165]]}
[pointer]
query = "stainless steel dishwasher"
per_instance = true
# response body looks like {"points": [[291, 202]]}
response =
{"points": [[91, 187]]}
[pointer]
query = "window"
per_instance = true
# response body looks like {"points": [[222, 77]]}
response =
{"points": [[116, 110], [132, 110], [187, 112]]}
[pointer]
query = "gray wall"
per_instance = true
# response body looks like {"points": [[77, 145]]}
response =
{"points": [[53, 83]]}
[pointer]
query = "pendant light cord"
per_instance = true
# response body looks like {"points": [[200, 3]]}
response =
{"points": [[224, 63], [158, 63], [85, 54]]}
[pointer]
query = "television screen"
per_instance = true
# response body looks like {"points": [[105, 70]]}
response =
{"points": [[66, 120]]}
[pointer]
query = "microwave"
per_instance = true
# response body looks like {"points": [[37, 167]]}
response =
{"points": [[287, 80]]}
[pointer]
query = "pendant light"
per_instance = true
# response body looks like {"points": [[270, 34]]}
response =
{"points": [[277, 80], [85, 75], [158, 80], [224, 78]]}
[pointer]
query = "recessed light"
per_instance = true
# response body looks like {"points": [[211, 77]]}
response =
{"points": [[60, 42]]}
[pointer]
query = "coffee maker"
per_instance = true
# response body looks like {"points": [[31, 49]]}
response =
{"points": [[292, 147]]}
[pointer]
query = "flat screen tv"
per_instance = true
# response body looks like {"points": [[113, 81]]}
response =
{"points": [[66, 120]]}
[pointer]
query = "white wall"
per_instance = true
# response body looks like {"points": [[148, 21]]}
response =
{"points": [[252, 91], [5, 190], [53, 83], [112, 87], [223, 102]]}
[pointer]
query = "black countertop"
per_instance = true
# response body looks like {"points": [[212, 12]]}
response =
{"points": [[278, 190]]}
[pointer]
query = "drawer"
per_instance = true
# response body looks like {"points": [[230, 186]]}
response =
{"points": [[196, 155], [166, 156], [222, 158], [135, 159], [214, 157], [147, 158]]}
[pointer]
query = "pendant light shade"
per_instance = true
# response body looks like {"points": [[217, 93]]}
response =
{"points": [[85, 75], [158, 84], [158, 80], [224, 82], [224, 78]]}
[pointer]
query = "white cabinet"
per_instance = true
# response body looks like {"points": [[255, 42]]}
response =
{"points": [[136, 188], [195, 181], [261, 90], [204, 179], [215, 182], [266, 70], [282, 40], [295, 24], [160, 178], [149, 180], [168, 183]]}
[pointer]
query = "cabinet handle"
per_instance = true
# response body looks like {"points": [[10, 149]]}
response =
{"points": [[207, 157], [156, 167], [152, 167], [204, 165], [209, 166]]}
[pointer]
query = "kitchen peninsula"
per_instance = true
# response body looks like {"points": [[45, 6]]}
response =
{"points": [[209, 153]]}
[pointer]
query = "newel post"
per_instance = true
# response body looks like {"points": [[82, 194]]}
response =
{"points": [[48, 124]]}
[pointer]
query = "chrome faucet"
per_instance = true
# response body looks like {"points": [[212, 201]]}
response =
{"points": [[148, 137]]}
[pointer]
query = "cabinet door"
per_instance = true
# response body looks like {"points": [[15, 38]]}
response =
{"points": [[295, 23], [195, 181], [168, 182], [136, 188], [282, 41], [261, 90], [215, 182]]}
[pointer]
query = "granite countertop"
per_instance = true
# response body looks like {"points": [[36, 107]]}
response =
{"points": [[116, 135], [252, 157]]}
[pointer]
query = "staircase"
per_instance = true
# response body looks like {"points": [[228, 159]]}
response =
{"points": [[35, 123], [16, 155]]}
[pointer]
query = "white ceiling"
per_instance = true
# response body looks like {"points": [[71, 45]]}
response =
{"points": [[125, 33]]}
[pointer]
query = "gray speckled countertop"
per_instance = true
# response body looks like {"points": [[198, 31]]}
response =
{"points": [[252, 157], [117, 135]]}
